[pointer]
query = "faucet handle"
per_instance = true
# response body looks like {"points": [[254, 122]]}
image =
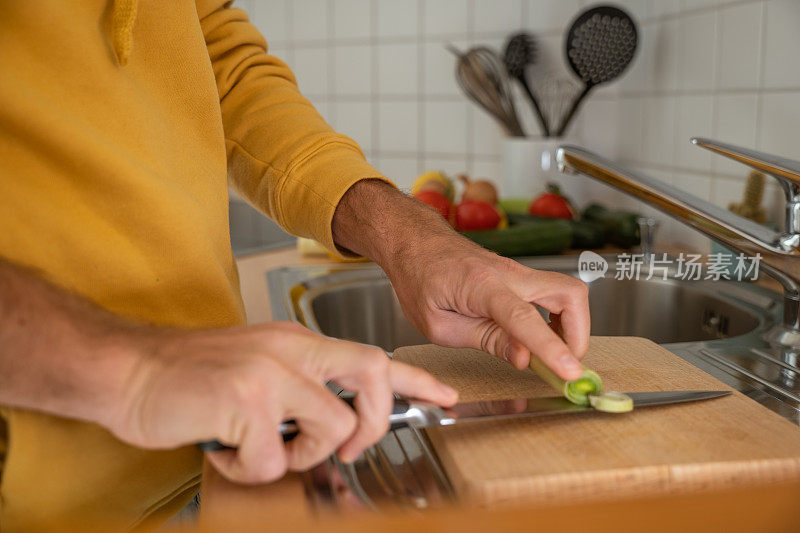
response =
{"points": [[786, 171], [783, 169]]}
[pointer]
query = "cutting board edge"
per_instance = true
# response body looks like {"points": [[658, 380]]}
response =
{"points": [[481, 487], [647, 481]]}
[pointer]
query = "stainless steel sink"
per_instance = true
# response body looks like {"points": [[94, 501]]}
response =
{"points": [[666, 311], [718, 326]]}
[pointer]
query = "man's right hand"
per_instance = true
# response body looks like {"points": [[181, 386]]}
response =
{"points": [[237, 385]]}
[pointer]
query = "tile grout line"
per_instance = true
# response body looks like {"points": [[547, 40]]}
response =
{"points": [[288, 14], [374, 101], [469, 125], [330, 66], [421, 107], [762, 42], [715, 98]]}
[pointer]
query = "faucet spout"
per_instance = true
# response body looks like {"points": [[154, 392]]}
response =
{"points": [[779, 251]]}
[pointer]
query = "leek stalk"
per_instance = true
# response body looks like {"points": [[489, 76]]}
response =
{"points": [[586, 390], [577, 390]]}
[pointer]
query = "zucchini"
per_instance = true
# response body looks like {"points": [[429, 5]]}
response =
{"points": [[544, 237], [587, 235], [621, 227], [518, 219]]}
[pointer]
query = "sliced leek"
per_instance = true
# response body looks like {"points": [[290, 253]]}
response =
{"points": [[577, 390], [611, 402]]}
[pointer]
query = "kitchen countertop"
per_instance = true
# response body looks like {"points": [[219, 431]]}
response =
{"points": [[771, 508], [283, 504]]}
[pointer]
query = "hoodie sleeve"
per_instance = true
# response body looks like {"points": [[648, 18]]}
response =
{"points": [[283, 157]]}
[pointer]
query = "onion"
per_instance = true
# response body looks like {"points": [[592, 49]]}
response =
{"points": [[481, 190]]}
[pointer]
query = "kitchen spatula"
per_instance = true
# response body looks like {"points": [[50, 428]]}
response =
{"points": [[600, 45]]}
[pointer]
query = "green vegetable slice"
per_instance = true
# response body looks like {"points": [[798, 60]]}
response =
{"points": [[578, 390], [611, 402]]}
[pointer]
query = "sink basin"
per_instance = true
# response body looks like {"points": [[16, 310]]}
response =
{"points": [[365, 308]]}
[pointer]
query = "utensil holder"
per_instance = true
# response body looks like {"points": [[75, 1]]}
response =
{"points": [[528, 164]]}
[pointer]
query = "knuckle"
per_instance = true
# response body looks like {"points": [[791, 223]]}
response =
{"points": [[287, 325], [521, 313], [483, 275], [252, 388], [270, 469], [508, 264], [580, 287], [278, 332], [378, 360], [345, 425], [374, 361], [375, 429]]}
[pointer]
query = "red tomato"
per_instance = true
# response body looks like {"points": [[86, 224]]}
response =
{"points": [[476, 215], [551, 205], [436, 200]]}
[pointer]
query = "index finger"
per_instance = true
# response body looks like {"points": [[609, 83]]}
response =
{"points": [[523, 322], [566, 298]]}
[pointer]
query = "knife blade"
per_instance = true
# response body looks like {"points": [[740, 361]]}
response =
{"points": [[419, 414]]}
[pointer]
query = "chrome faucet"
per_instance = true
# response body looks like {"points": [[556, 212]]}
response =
{"points": [[779, 251]]}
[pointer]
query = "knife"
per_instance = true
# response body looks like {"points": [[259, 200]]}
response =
{"points": [[419, 414]]}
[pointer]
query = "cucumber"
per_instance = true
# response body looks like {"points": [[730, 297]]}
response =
{"points": [[594, 212], [621, 227], [587, 235], [544, 237], [518, 219]]}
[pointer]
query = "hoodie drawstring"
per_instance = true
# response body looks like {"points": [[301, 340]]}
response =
{"points": [[123, 16]]}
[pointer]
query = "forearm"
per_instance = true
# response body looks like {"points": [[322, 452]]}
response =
{"points": [[59, 353], [377, 221]]}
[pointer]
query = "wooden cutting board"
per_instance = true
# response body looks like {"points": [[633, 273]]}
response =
{"points": [[716, 444]]}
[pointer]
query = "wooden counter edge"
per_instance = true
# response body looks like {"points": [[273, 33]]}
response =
{"points": [[765, 508]]}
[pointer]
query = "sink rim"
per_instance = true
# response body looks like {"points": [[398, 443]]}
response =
{"points": [[759, 303]]}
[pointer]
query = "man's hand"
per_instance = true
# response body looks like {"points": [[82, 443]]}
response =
{"points": [[459, 294], [162, 388], [238, 385]]}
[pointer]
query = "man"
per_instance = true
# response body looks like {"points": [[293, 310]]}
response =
{"points": [[121, 337]]}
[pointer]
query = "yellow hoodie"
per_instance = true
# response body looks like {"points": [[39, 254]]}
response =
{"points": [[122, 125]]}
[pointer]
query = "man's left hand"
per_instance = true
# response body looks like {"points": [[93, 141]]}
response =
{"points": [[458, 294]]}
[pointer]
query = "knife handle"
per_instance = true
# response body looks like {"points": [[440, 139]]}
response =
{"points": [[289, 430]]}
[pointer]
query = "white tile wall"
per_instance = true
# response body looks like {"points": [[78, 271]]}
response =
{"points": [[397, 18], [491, 16], [781, 44], [378, 70], [740, 46], [352, 70], [697, 59], [398, 69], [398, 127], [445, 17], [309, 20], [352, 19]]}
